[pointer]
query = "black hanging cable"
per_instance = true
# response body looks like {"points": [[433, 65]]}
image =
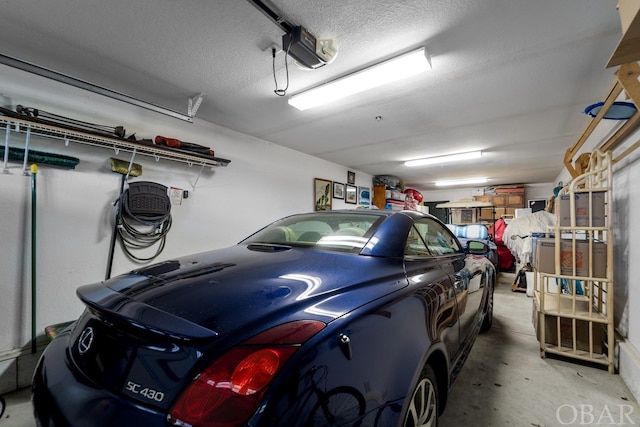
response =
{"points": [[281, 92]]}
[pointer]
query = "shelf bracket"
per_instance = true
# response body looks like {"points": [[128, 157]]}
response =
{"points": [[198, 177], [7, 132], [194, 104], [26, 152], [133, 155]]}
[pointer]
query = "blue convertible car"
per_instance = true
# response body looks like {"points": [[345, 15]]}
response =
{"points": [[334, 318]]}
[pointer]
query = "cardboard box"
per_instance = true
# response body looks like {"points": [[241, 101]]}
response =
{"points": [[534, 243], [487, 215], [523, 211], [545, 259], [515, 189], [566, 332], [582, 209]]}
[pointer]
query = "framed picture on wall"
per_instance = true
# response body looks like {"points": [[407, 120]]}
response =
{"points": [[364, 197], [338, 190], [351, 177], [322, 194], [351, 194]]}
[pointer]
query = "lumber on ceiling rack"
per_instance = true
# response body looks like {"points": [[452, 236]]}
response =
{"points": [[626, 78], [626, 55], [627, 50]]}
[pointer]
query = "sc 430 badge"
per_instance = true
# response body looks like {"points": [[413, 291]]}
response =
{"points": [[137, 389]]}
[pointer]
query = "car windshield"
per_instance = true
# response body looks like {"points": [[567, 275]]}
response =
{"points": [[341, 231]]}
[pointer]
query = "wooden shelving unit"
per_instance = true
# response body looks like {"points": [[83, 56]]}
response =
{"points": [[573, 304], [470, 212], [506, 199]]}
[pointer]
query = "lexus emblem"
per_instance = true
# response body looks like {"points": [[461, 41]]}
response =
{"points": [[86, 340]]}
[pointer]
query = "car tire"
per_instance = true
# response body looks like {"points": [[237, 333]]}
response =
{"points": [[423, 405], [488, 315]]}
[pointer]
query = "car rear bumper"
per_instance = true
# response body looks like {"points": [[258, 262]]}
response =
{"points": [[62, 397]]}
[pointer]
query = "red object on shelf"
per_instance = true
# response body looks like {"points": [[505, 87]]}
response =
{"points": [[169, 142], [415, 193]]}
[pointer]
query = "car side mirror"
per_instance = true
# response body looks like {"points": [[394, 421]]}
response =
{"points": [[476, 247]]}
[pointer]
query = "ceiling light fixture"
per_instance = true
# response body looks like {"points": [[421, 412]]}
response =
{"points": [[467, 181], [380, 74], [444, 159]]}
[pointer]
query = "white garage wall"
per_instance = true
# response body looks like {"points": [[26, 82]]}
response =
{"points": [[626, 235], [262, 183]]}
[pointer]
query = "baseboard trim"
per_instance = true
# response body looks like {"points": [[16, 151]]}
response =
{"points": [[16, 368], [629, 367]]}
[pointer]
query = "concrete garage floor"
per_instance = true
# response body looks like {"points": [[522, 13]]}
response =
{"points": [[504, 382]]}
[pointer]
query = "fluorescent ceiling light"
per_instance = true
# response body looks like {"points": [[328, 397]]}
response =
{"points": [[467, 181], [380, 74], [444, 159]]}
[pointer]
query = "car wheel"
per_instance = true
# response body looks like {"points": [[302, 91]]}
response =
{"points": [[341, 406], [423, 406], [488, 316]]}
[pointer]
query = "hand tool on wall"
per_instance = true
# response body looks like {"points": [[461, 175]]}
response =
{"points": [[69, 122], [40, 157], [188, 146], [34, 172]]}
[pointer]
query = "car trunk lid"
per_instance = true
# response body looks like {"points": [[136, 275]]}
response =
{"points": [[143, 333], [132, 348]]}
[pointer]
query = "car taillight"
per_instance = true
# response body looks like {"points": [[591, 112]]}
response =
{"points": [[229, 391]]}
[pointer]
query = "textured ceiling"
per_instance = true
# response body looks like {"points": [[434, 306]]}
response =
{"points": [[509, 77]]}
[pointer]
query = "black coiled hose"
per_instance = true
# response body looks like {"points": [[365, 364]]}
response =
{"points": [[139, 232]]}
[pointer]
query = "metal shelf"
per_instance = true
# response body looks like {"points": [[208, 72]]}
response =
{"points": [[157, 152]]}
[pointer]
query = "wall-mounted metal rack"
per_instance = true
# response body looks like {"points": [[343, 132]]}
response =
{"points": [[28, 128]]}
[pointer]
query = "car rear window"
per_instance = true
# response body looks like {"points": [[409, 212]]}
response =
{"points": [[333, 231]]}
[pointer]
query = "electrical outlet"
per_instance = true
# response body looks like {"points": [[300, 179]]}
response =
{"points": [[175, 195]]}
